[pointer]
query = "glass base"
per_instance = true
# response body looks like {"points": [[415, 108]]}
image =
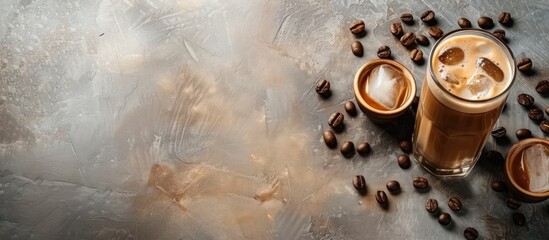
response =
{"points": [[460, 172]]}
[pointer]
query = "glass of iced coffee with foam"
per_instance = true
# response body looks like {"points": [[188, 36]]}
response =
{"points": [[465, 88]]}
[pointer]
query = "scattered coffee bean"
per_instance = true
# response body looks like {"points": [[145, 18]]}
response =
{"points": [[357, 26], [422, 40], [499, 186], [359, 183], [408, 39], [523, 133], [396, 29], [384, 52], [542, 87], [444, 219], [357, 49], [404, 161], [544, 126], [350, 108], [415, 103], [454, 203], [330, 139], [547, 110], [336, 120], [485, 22], [363, 149], [470, 233], [464, 23], [500, 34], [347, 149], [519, 219], [525, 100], [513, 203], [405, 146], [535, 114], [431, 205], [416, 55], [428, 17], [407, 18], [505, 18], [435, 32], [499, 132], [323, 88], [421, 183], [393, 186], [524, 64], [494, 157], [381, 198]]}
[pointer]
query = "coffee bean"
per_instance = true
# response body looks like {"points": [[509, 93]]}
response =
{"points": [[384, 52], [444, 219], [350, 108], [542, 87], [347, 149], [535, 114], [330, 139], [363, 149], [494, 157], [415, 103], [357, 49], [336, 120], [525, 100], [404, 161], [416, 55], [435, 32], [393, 186], [524, 64], [485, 22], [513, 203], [499, 186], [454, 203], [499, 132], [505, 18], [323, 88], [381, 198], [431, 205], [396, 29], [359, 183], [547, 110], [428, 16], [519, 219], [500, 34], [408, 39], [407, 18], [422, 40], [421, 183], [523, 133], [544, 126], [357, 26], [470, 233], [464, 23], [405, 146]]}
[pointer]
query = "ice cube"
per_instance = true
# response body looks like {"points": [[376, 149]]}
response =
{"points": [[536, 161], [449, 78], [452, 56], [490, 68], [479, 85], [386, 86]]}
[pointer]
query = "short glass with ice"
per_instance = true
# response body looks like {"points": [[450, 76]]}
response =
{"points": [[465, 88]]}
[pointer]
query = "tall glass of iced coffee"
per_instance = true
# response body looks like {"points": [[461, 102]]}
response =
{"points": [[468, 79]]}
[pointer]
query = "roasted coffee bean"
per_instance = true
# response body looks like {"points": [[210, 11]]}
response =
{"points": [[431, 205], [407, 18], [323, 88], [525, 100], [357, 26], [500, 34], [408, 39], [535, 114], [547, 110], [347, 149], [404, 161], [524, 64], [421, 183], [544, 126], [363, 149], [415, 103], [336, 120], [357, 49], [499, 132], [416, 55], [523, 133], [350, 108], [422, 40], [470, 233], [494, 157], [444, 219], [454, 203], [435, 32], [405, 146], [384, 52], [519, 219], [464, 23], [485, 22], [330, 139], [393, 186], [542, 87], [359, 183], [513, 203], [428, 16], [381, 198], [505, 18], [396, 29], [499, 186]]}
